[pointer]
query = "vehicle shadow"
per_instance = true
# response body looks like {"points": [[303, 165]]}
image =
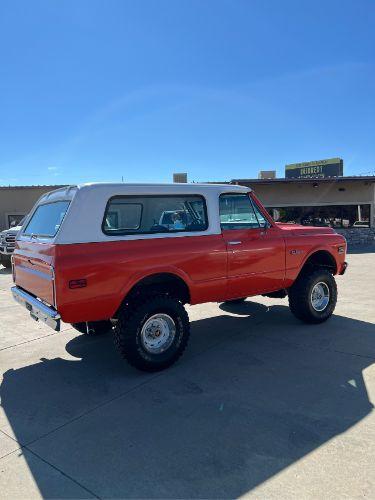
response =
{"points": [[255, 392]]}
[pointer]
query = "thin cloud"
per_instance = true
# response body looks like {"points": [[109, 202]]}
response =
{"points": [[55, 171]]}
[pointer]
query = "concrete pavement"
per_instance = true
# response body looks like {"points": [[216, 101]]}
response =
{"points": [[260, 405]]}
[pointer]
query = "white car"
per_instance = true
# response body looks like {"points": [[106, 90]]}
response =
{"points": [[7, 244]]}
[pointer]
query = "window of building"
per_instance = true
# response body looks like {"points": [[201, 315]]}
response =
{"points": [[237, 212], [154, 214], [339, 216]]}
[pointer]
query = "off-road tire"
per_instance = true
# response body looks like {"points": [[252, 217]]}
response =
{"points": [[128, 328], [300, 301], [94, 327], [6, 261], [236, 301]]}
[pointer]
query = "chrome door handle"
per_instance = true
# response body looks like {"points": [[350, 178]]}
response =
{"points": [[234, 242]]}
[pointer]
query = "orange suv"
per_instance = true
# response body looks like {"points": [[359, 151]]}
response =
{"points": [[128, 257]]}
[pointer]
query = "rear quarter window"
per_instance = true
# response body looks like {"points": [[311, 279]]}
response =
{"points": [[47, 219], [127, 215]]}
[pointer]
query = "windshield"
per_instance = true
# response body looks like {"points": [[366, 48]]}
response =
{"points": [[47, 219]]}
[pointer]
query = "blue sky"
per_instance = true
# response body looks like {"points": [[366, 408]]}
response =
{"points": [[96, 90]]}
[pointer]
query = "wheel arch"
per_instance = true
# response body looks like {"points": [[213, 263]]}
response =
{"points": [[320, 258]]}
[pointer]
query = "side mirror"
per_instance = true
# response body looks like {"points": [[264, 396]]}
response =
{"points": [[266, 225]]}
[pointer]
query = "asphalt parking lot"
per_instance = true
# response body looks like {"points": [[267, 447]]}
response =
{"points": [[260, 405]]}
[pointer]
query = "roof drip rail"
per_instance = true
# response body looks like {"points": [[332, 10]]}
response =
{"points": [[69, 188]]}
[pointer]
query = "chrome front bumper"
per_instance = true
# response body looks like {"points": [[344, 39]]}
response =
{"points": [[38, 311], [6, 250], [343, 268]]}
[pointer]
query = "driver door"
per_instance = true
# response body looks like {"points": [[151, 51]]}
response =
{"points": [[255, 248]]}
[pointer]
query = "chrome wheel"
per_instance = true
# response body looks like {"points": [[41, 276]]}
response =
{"points": [[320, 296], [158, 333]]}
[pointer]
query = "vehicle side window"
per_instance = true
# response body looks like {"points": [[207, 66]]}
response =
{"points": [[123, 215], [47, 219], [261, 219], [237, 212], [154, 214]]}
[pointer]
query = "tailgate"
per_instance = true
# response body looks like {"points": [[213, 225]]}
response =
{"points": [[33, 270]]}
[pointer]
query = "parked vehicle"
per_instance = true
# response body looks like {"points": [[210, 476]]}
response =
{"points": [[99, 256], [361, 223], [8, 243]]}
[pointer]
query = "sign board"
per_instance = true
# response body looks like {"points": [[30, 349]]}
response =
{"points": [[333, 167], [182, 177]]}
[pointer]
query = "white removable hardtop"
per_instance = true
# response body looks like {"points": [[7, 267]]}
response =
{"points": [[83, 220]]}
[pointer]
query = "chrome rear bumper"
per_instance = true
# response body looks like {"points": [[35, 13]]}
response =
{"points": [[38, 311]]}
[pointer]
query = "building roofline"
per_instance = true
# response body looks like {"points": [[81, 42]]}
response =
{"points": [[354, 178], [53, 186]]}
